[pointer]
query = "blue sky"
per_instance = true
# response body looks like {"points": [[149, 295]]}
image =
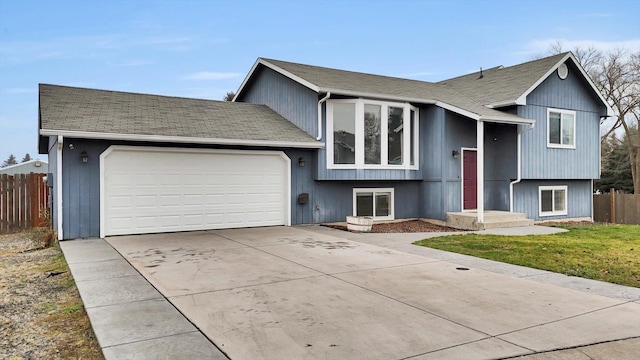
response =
{"points": [[202, 49]]}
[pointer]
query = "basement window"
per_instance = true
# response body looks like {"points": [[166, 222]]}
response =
{"points": [[553, 200], [376, 203]]}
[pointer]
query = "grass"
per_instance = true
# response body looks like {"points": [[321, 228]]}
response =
{"points": [[596, 251]]}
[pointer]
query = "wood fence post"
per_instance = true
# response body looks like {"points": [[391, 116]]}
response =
{"points": [[612, 192], [4, 206]]}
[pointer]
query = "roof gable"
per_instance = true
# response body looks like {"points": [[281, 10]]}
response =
{"points": [[505, 86], [102, 114], [349, 83]]}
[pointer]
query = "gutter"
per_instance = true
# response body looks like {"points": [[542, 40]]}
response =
{"points": [[179, 139], [511, 184], [320, 114]]}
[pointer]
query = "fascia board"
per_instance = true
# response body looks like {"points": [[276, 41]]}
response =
{"points": [[522, 99], [507, 120], [246, 80], [181, 139]]}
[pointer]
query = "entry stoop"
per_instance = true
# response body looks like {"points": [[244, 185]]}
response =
{"points": [[493, 219]]}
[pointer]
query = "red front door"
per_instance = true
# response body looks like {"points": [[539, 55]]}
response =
{"points": [[469, 179]]}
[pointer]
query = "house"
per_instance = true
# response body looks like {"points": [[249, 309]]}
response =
{"points": [[30, 166], [306, 144]]}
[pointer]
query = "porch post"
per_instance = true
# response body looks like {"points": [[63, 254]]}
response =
{"points": [[480, 169]]}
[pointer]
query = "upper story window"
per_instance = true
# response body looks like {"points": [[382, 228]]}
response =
{"points": [[561, 125], [371, 134]]}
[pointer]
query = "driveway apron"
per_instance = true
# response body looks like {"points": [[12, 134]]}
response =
{"points": [[292, 293]]}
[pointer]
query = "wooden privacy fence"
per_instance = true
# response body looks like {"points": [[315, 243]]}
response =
{"points": [[24, 202], [616, 208]]}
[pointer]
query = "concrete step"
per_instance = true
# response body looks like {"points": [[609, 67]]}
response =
{"points": [[492, 220], [507, 224]]}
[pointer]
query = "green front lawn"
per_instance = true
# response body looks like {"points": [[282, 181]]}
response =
{"points": [[595, 251]]}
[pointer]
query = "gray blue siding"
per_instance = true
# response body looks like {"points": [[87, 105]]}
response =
{"points": [[334, 199], [583, 162], [579, 198], [443, 132], [53, 173], [81, 189], [328, 201], [288, 98]]}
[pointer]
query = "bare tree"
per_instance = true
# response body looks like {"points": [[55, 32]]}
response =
{"points": [[616, 73], [229, 96]]}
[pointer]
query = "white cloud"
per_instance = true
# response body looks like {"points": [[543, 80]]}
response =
{"points": [[130, 63], [421, 74], [86, 46], [209, 75], [20, 90]]}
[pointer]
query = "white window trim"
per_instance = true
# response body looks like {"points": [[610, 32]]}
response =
{"points": [[384, 136], [575, 122], [553, 188], [374, 191]]}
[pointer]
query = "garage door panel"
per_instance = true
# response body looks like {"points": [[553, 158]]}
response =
{"points": [[155, 190]]}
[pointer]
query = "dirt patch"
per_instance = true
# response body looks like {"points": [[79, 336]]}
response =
{"points": [[41, 313], [408, 226]]}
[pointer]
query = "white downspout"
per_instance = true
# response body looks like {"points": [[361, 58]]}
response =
{"points": [[58, 184], [480, 170], [320, 115], [519, 165]]}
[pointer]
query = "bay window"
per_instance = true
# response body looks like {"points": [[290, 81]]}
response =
{"points": [[372, 134]]}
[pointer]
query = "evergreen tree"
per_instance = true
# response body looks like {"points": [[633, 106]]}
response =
{"points": [[26, 158], [10, 161], [616, 168]]}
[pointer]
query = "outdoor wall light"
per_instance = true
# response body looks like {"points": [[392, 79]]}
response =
{"points": [[84, 156], [301, 161], [455, 154]]}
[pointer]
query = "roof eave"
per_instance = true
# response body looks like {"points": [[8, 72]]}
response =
{"points": [[501, 104], [508, 120], [403, 99], [182, 139]]}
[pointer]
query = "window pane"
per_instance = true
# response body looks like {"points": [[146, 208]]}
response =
{"points": [[559, 200], [364, 204], [395, 123], [567, 129], [344, 133], [372, 118], [554, 128], [547, 200], [383, 204], [412, 136]]}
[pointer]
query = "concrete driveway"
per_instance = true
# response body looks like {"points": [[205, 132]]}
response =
{"points": [[308, 293]]}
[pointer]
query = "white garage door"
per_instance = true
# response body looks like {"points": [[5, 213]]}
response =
{"points": [[151, 190]]}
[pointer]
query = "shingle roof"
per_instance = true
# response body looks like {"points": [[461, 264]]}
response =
{"points": [[500, 85], [67, 110], [336, 81]]}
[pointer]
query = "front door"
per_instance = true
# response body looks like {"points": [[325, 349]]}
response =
{"points": [[469, 179]]}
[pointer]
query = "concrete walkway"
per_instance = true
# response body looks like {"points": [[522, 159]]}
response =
{"points": [[316, 292]]}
